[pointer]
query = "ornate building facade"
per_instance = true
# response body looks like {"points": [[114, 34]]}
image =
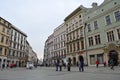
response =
{"points": [[4, 41], [75, 34], [103, 32], [94, 33], [60, 43]]}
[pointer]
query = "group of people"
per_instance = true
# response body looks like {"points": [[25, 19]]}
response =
{"points": [[60, 63], [111, 63]]}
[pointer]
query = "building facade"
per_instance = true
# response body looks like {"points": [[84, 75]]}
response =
{"points": [[4, 41], [31, 56], [17, 51], [60, 43], [103, 32], [93, 33], [75, 35], [48, 51]]}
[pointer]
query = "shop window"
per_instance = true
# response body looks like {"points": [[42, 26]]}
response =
{"points": [[92, 59]]}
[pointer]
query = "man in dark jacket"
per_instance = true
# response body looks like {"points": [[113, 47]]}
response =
{"points": [[81, 63]]}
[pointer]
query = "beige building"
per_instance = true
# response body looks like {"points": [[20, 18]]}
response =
{"points": [[75, 35], [48, 51], [4, 41], [31, 56], [60, 43]]}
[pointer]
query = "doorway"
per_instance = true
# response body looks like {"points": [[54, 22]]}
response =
{"points": [[113, 54]]}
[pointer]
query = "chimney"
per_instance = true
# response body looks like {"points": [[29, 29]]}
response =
{"points": [[94, 5]]}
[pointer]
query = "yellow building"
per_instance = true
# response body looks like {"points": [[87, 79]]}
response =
{"points": [[4, 41], [75, 34]]}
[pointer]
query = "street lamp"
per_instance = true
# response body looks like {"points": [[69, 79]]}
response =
{"points": [[86, 43]]}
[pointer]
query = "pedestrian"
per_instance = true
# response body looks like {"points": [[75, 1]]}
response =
{"points": [[104, 63], [97, 63], [112, 64], [57, 65], [81, 63], [109, 63], [60, 65], [3, 66], [69, 66], [64, 64]]}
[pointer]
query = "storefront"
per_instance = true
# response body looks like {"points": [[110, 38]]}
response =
{"points": [[95, 57], [3, 62]]}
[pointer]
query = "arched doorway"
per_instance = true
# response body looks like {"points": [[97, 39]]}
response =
{"points": [[113, 54], [74, 60]]}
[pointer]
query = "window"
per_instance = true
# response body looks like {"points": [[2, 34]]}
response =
{"points": [[2, 39], [89, 28], [3, 29], [97, 39], [78, 47], [118, 32], [110, 36], [70, 47], [0, 50], [90, 41], [7, 31], [100, 58], [117, 16], [76, 24], [82, 45], [79, 16], [95, 25], [7, 40], [74, 47], [5, 52], [92, 59], [77, 33], [108, 21]]}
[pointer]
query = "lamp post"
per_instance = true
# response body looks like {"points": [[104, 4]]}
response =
{"points": [[85, 43]]}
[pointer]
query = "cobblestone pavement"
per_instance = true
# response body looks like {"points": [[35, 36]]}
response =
{"points": [[49, 73]]}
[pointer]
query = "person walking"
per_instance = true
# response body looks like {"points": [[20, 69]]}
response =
{"points": [[112, 64], [57, 65], [69, 66], [60, 65], [97, 63], [81, 63], [104, 63]]}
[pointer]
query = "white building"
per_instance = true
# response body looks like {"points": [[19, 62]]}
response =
{"points": [[17, 52]]}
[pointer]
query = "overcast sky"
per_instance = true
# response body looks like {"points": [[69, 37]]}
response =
{"points": [[38, 18]]}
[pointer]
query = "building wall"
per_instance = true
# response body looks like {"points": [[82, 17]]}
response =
{"points": [[75, 34], [48, 51], [4, 41], [92, 32], [17, 53], [60, 43], [99, 14]]}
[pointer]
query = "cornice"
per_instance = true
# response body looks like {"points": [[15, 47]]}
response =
{"points": [[80, 8]]}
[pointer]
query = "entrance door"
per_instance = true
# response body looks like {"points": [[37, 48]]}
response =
{"points": [[74, 61], [114, 55]]}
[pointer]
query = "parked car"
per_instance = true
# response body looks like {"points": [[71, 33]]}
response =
{"points": [[29, 65]]}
